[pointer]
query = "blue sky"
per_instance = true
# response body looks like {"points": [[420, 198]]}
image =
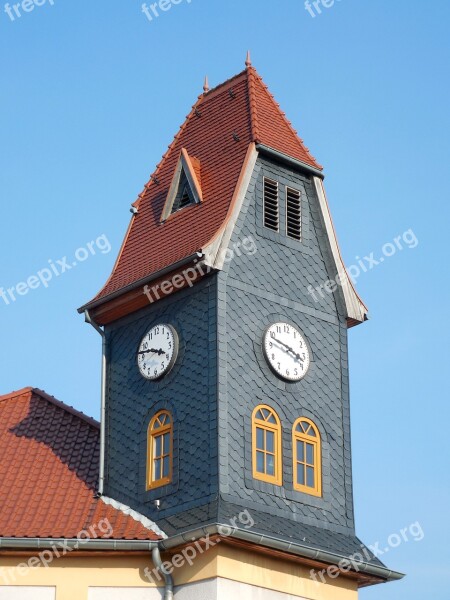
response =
{"points": [[91, 95]]}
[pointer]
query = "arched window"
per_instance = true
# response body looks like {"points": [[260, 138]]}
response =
{"points": [[266, 445], [159, 450], [307, 457]]}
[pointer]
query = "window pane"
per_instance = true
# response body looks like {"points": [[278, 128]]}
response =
{"points": [[310, 477], [271, 419], [310, 454], [270, 441], [260, 462], [166, 444], [166, 467], [157, 469], [158, 445], [259, 438], [300, 474], [270, 464], [300, 451]]}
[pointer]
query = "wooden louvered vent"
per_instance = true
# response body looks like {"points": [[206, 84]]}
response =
{"points": [[184, 199], [293, 214], [271, 205]]}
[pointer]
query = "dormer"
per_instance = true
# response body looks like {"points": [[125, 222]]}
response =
{"points": [[185, 189]]}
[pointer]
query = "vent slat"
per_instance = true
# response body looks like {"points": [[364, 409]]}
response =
{"points": [[293, 214], [271, 205]]}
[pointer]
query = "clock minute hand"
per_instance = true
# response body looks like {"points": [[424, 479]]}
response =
{"points": [[289, 348], [152, 350]]}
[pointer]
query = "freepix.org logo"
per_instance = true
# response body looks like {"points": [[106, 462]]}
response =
{"points": [[314, 7], [156, 8], [54, 268], [15, 11]]}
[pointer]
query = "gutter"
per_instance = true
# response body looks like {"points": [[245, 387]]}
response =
{"points": [[278, 544], [292, 162], [101, 476], [75, 544], [197, 256]]}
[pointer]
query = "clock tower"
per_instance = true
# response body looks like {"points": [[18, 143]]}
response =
{"points": [[225, 324]]}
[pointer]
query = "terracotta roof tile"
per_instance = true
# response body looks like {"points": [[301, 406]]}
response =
{"points": [[218, 131], [49, 456]]}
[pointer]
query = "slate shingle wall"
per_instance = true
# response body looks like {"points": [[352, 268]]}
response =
{"points": [[188, 391], [212, 396], [253, 292]]}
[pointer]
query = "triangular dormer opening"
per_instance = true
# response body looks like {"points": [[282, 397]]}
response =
{"points": [[184, 196], [185, 189]]}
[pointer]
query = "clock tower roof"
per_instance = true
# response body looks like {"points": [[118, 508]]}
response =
{"points": [[219, 135]]}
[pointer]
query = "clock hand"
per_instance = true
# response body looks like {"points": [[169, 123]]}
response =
{"points": [[289, 348], [152, 350]]}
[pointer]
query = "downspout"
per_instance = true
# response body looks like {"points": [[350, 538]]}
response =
{"points": [[168, 591], [101, 476]]}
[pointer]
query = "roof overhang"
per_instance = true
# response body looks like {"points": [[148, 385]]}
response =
{"points": [[288, 160], [357, 311], [365, 573]]}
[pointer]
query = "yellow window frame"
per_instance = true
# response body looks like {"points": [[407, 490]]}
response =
{"points": [[315, 440], [160, 426], [275, 428]]}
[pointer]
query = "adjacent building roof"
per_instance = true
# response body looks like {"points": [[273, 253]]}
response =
{"points": [[49, 458], [222, 125]]}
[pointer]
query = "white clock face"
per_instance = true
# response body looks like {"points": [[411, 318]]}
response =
{"points": [[286, 351], [158, 351]]}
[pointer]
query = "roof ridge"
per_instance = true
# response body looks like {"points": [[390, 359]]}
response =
{"points": [[136, 516], [16, 393], [69, 409], [206, 95], [254, 122], [300, 141]]}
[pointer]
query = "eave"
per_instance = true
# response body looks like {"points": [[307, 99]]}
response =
{"points": [[365, 573]]}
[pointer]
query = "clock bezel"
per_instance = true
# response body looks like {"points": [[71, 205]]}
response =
{"points": [[173, 360], [267, 359]]}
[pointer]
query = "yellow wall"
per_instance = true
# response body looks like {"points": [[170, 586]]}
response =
{"points": [[73, 575]]}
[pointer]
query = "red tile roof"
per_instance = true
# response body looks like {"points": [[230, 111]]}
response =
{"points": [[49, 457], [218, 131]]}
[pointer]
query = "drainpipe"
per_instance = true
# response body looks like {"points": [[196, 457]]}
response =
{"points": [[101, 477], [168, 591]]}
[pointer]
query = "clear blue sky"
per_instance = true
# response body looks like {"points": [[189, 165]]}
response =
{"points": [[91, 95]]}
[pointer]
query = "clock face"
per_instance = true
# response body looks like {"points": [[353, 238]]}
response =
{"points": [[286, 351], [157, 351]]}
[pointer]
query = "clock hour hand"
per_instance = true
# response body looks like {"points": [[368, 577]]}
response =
{"points": [[289, 348], [153, 351]]}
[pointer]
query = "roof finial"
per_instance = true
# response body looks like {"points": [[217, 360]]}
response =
{"points": [[248, 61], [206, 85]]}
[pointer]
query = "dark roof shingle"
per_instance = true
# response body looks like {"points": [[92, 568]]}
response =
{"points": [[49, 458]]}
